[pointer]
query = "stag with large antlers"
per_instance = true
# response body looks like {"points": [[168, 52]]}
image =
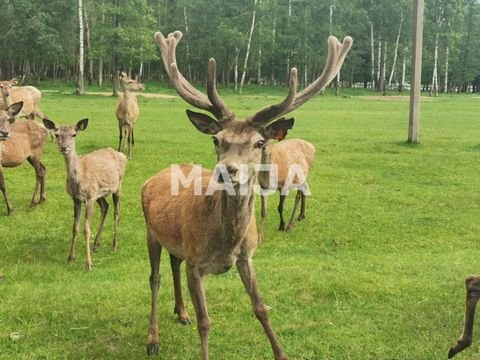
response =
{"points": [[214, 231]]}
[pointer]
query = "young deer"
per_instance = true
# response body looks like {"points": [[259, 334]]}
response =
{"points": [[91, 177], [213, 232], [127, 112], [472, 285], [286, 155], [28, 94], [20, 141]]}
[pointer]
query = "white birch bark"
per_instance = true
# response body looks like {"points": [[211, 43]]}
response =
{"points": [[81, 59], [235, 72], [189, 68], [445, 84], [434, 88], [247, 53], [395, 53], [372, 49]]}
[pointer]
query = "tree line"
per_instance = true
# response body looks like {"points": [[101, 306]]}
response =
{"points": [[253, 41]]}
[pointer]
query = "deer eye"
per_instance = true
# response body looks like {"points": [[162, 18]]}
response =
{"points": [[74, 135], [215, 141], [260, 144]]}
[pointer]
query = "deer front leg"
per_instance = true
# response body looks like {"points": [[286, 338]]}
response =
{"points": [[179, 306], [86, 233], [77, 206], [4, 191], [154, 253], [280, 212], [128, 136], [249, 279], [197, 294], [102, 203], [120, 136], [472, 284]]}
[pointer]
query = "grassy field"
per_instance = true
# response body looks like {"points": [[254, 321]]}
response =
{"points": [[375, 271]]}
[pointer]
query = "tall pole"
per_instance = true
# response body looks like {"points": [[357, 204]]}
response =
{"points": [[416, 77]]}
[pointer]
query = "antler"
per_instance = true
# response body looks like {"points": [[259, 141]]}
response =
{"points": [[212, 103], [336, 55]]}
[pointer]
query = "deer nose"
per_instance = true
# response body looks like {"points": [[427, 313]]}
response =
{"points": [[232, 170], [4, 133]]}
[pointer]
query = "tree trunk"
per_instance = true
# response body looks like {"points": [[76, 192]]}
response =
{"points": [[404, 66], [379, 61], [189, 67], [80, 88], [372, 50], [395, 53], [247, 53], [434, 87], [235, 71], [89, 47], [445, 84], [382, 66]]}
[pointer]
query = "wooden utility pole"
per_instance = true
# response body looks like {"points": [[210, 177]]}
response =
{"points": [[416, 77]]}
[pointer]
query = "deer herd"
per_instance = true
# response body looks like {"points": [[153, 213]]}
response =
{"points": [[210, 232]]}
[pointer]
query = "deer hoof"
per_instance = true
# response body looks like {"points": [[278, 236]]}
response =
{"points": [[152, 349], [186, 321]]}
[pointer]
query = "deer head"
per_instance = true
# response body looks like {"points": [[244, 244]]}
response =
{"points": [[242, 142], [65, 134], [130, 84], [7, 117]]}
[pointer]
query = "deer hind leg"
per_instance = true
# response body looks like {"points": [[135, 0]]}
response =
{"points": [[298, 197], [472, 284], [39, 181], [263, 213], [4, 191], [280, 212], [197, 294], [179, 306], [116, 218], [302, 207], [102, 203], [249, 279], [77, 206], [154, 253], [86, 233]]}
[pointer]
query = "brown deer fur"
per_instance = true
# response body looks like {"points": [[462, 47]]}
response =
{"points": [[214, 232], [23, 140], [472, 287], [285, 154], [127, 112], [30, 96], [91, 177]]}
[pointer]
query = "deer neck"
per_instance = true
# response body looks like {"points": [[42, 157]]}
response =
{"points": [[235, 213], [71, 163], [6, 100], [128, 95]]}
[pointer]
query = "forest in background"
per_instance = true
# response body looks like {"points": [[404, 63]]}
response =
{"points": [[254, 41]]}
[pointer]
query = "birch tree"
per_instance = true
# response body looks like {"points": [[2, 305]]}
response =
{"points": [[80, 88], [249, 43]]}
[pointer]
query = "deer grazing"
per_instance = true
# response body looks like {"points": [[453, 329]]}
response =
{"points": [[213, 232], [472, 285], [30, 96], [20, 141], [127, 112], [91, 177], [292, 159]]}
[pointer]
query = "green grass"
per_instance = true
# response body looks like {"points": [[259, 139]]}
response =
{"points": [[375, 271]]}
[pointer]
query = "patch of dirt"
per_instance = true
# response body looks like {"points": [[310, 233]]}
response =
{"points": [[394, 98], [147, 95]]}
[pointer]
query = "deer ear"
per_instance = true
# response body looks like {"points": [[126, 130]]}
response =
{"points": [[49, 124], [204, 123], [81, 125], [15, 108], [278, 129]]}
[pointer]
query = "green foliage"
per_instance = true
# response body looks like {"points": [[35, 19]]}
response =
{"points": [[374, 272]]}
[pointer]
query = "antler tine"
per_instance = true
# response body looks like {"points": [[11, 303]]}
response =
{"points": [[268, 113], [336, 55], [222, 112]]}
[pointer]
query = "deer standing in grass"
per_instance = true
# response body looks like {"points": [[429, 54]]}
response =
{"points": [[472, 285], [293, 159], [30, 96], [127, 112], [20, 141], [213, 232], [91, 177]]}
